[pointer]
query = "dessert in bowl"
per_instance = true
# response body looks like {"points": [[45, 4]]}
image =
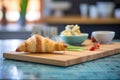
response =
{"points": [[103, 37], [73, 36]]}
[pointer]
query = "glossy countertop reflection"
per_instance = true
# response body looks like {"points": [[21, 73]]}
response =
{"points": [[104, 68]]}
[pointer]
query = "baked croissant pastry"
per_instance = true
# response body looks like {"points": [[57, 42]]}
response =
{"points": [[37, 43]]}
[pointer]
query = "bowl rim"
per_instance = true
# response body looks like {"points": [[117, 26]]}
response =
{"points": [[84, 34], [103, 32]]}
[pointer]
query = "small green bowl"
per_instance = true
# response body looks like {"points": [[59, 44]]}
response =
{"points": [[74, 40]]}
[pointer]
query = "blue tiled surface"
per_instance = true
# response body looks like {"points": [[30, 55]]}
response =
{"points": [[104, 68]]}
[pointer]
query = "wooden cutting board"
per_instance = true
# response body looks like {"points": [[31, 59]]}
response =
{"points": [[68, 58]]}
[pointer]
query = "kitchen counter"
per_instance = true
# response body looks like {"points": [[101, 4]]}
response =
{"points": [[104, 68]]}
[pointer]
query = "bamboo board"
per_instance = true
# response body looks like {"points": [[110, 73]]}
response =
{"points": [[68, 58]]}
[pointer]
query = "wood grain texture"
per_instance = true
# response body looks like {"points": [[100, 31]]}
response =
{"points": [[68, 58]]}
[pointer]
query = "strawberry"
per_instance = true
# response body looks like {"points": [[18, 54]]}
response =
{"points": [[92, 48], [93, 39], [97, 45]]}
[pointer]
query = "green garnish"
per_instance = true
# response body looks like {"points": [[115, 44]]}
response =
{"points": [[75, 48]]}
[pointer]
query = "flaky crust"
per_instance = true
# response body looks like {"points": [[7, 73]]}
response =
{"points": [[37, 43]]}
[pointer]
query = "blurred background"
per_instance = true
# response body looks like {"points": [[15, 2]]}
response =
{"points": [[19, 19]]}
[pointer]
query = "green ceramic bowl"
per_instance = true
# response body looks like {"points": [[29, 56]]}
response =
{"points": [[74, 40]]}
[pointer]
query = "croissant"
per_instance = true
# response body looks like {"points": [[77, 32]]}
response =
{"points": [[37, 43]]}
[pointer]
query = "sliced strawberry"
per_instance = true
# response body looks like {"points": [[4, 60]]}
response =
{"points": [[97, 45], [93, 39], [92, 48]]}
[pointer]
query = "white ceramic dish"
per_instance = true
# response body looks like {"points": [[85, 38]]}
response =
{"points": [[103, 37]]}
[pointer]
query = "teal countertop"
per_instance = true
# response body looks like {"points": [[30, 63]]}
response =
{"points": [[104, 68]]}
